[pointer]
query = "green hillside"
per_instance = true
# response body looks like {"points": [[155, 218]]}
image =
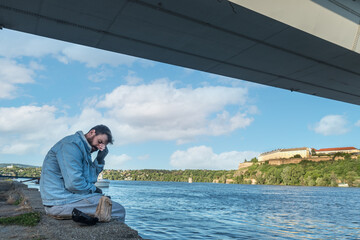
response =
{"points": [[20, 171], [2, 165], [306, 173]]}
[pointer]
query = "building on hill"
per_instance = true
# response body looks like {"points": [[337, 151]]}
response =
{"points": [[296, 155], [304, 152], [245, 165], [351, 150]]}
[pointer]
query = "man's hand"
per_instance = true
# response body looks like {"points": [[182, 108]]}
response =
{"points": [[98, 190], [101, 155]]}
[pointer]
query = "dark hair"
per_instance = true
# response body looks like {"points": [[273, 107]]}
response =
{"points": [[102, 129]]}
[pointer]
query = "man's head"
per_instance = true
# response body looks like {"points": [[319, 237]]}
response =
{"points": [[98, 137]]}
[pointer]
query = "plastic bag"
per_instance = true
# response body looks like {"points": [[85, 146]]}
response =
{"points": [[103, 210]]}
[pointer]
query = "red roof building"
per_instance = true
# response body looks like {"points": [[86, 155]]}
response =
{"points": [[335, 150]]}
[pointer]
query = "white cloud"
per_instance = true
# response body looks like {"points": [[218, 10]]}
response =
{"points": [[357, 123], [19, 148], [12, 119], [116, 161], [88, 118], [36, 66], [156, 111], [100, 76], [11, 75], [159, 111], [188, 71], [16, 44], [132, 79], [146, 63], [30, 129], [233, 81], [332, 125], [143, 157], [203, 157], [224, 123], [93, 57], [35, 129]]}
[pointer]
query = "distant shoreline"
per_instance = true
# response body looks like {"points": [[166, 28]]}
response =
{"points": [[332, 173]]}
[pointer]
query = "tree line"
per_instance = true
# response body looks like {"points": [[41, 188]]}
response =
{"points": [[20, 171], [169, 175], [305, 173]]}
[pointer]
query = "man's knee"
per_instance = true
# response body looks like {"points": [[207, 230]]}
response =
{"points": [[59, 212], [88, 207], [118, 212]]}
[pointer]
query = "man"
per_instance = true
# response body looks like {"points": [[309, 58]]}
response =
{"points": [[68, 174]]}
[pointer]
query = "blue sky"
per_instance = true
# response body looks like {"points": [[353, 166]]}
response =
{"points": [[161, 116]]}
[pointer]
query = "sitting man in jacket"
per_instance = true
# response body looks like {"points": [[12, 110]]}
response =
{"points": [[68, 174]]}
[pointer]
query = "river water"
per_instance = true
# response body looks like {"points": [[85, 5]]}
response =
{"points": [[169, 210]]}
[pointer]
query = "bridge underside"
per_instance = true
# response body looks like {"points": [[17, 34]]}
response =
{"points": [[209, 35]]}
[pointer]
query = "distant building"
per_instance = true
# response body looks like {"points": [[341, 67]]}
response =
{"points": [[304, 152], [245, 165], [336, 150], [286, 156], [229, 181], [190, 180]]}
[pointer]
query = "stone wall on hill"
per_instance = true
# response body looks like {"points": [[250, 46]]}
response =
{"points": [[245, 164], [291, 160]]}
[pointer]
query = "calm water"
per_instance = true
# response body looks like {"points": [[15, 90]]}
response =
{"points": [[163, 210], [167, 210]]}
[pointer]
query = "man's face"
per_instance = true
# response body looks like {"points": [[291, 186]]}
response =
{"points": [[97, 142]]}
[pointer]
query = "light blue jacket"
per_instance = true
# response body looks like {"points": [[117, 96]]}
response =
{"points": [[68, 174]]}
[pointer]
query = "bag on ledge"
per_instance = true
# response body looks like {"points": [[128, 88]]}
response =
{"points": [[103, 210]]}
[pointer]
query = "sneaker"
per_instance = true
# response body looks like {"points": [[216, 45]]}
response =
{"points": [[80, 217]]}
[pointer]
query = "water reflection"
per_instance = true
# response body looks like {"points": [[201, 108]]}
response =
{"points": [[160, 210], [218, 211]]}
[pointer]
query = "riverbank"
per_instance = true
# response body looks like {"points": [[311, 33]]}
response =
{"points": [[181, 210], [329, 173], [17, 199]]}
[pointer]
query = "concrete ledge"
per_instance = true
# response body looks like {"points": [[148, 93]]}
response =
{"points": [[48, 227]]}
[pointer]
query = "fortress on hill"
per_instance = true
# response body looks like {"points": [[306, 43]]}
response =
{"points": [[296, 155]]}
